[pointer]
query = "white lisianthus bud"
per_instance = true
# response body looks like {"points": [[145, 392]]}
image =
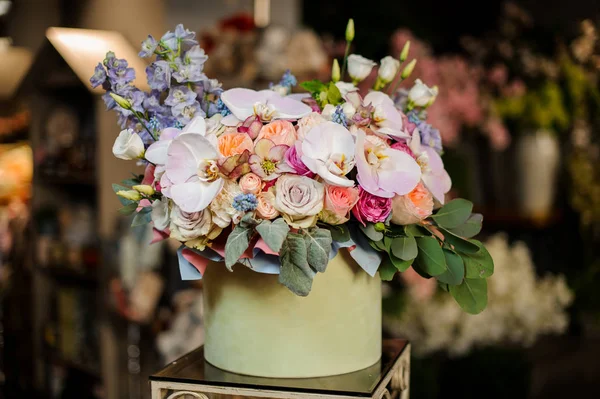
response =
{"points": [[131, 195], [328, 111], [128, 145], [335, 71], [388, 69], [345, 88], [144, 189], [421, 95], [350, 30], [121, 101], [408, 69], [359, 67], [404, 52]]}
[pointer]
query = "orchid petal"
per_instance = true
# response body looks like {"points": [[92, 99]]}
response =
{"points": [[298, 96], [332, 179], [184, 155], [241, 101], [195, 196], [157, 152], [230, 121], [354, 98], [367, 177], [287, 108], [403, 174], [196, 125], [437, 179], [169, 133]]}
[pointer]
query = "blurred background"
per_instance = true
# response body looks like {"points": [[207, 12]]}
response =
{"points": [[88, 310]]}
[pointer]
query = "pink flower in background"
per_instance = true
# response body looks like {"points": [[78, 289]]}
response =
{"points": [[371, 208], [498, 75], [497, 133]]}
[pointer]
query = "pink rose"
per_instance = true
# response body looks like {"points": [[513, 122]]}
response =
{"points": [[293, 158], [279, 132], [371, 208], [338, 203], [265, 208], [250, 183], [412, 207]]}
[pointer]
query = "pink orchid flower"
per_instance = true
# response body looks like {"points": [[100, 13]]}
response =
{"points": [[385, 118], [328, 150], [157, 152], [433, 174], [193, 172], [384, 171], [266, 104], [268, 160]]}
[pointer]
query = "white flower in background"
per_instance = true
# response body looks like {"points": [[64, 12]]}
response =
{"points": [[359, 67], [520, 308], [345, 88], [421, 95], [128, 145], [161, 213], [388, 69]]}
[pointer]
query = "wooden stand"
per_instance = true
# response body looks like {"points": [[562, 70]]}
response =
{"points": [[192, 377]]}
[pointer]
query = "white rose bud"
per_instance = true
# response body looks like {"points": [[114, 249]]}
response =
{"points": [[349, 110], [388, 69], [128, 145], [359, 67], [421, 95]]}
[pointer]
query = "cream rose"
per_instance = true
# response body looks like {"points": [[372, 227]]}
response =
{"points": [[250, 183], [186, 226], [299, 199], [222, 206], [266, 208], [412, 207], [308, 122]]}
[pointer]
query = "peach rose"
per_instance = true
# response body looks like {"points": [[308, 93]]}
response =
{"points": [[251, 183], [234, 143], [279, 132], [338, 203], [265, 208], [412, 207]]}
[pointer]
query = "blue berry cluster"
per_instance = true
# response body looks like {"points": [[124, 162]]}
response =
{"points": [[245, 202]]}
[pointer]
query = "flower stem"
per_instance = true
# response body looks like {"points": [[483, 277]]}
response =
{"points": [[141, 118], [345, 60]]}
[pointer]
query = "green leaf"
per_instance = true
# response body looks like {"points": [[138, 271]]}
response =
{"points": [[236, 245], [471, 295], [401, 265], [318, 245], [130, 182], [456, 269], [144, 216], [339, 233], [123, 201], [431, 257], [128, 209], [313, 86], [480, 264], [273, 232], [370, 232], [295, 272], [416, 231], [334, 97], [248, 221], [387, 270], [470, 228], [444, 286], [377, 246], [454, 213], [460, 244], [405, 248]]}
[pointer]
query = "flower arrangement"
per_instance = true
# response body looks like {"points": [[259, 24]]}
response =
{"points": [[280, 182], [522, 308]]}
